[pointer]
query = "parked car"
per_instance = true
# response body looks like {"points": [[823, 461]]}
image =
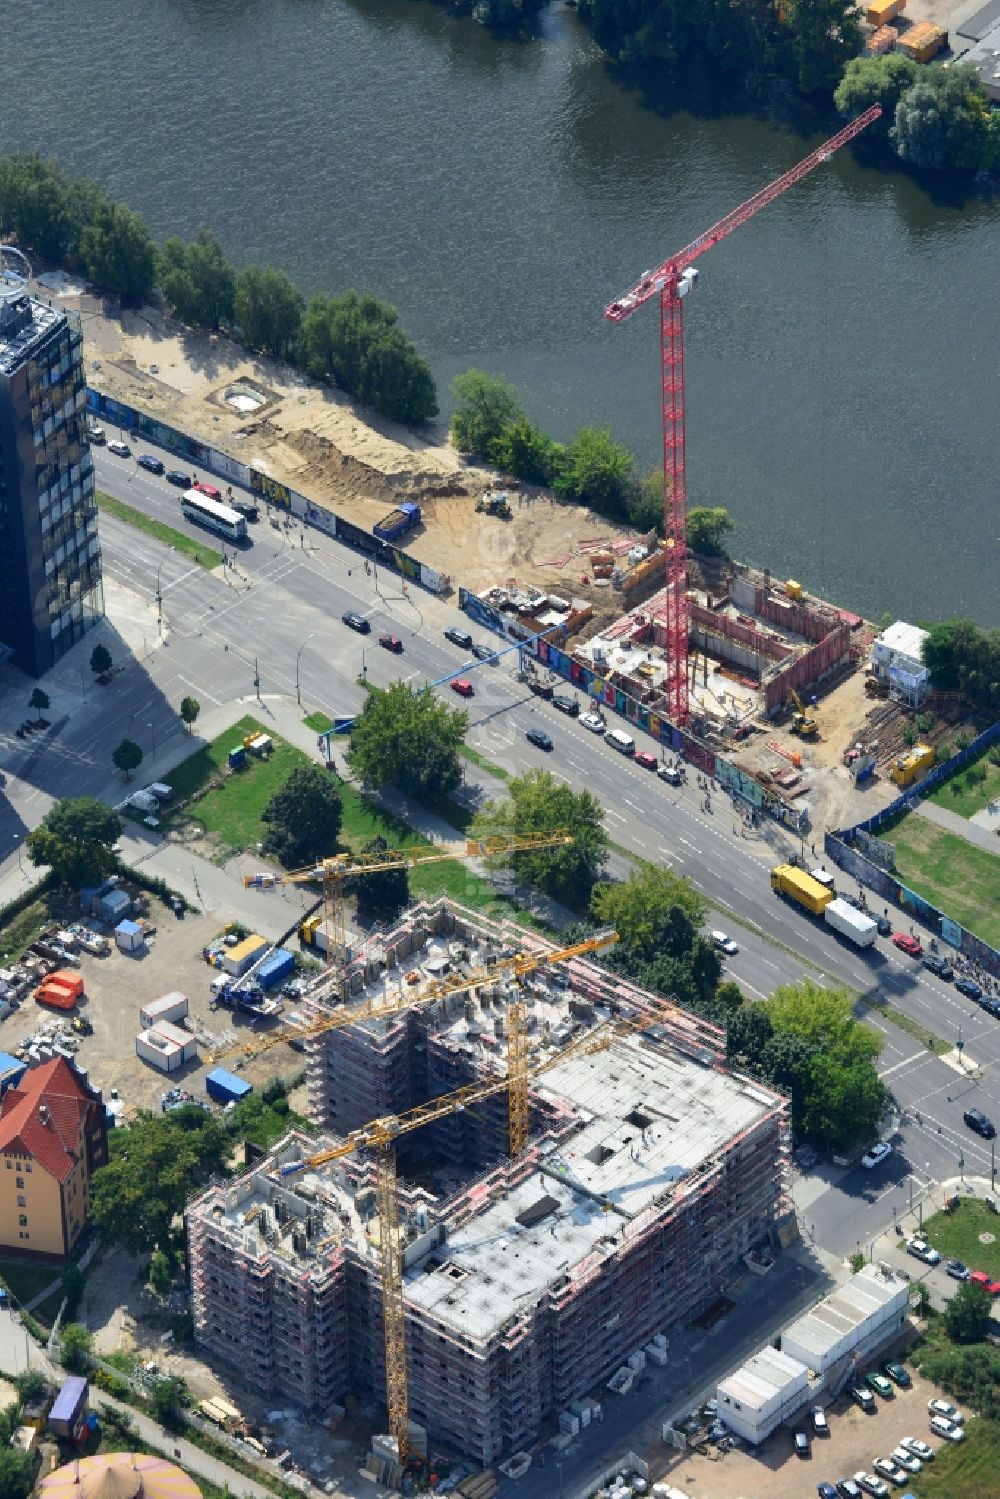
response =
{"points": [[539, 739], [149, 463], [594, 722], [724, 943], [670, 774], [897, 1374], [957, 1270], [564, 704], [848, 1489], [871, 1485], [97, 436], [977, 1120], [821, 1425], [907, 944], [938, 965], [878, 1153], [969, 988], [863, 1397], [179, 480], [880, 1385], [458, 637], [462, 686], [802, 1444], [355, 621], [906, 1460], [542, 689], [980, 1278], [826, 1491], [120, 449], [886, 1468], [950, 1430], [391, 643], [921, 1250], [884, 926], [944, 1409], [920, 1449]]}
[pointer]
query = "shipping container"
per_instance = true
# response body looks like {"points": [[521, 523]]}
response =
{"points": [[177, 1036], [279, 966], [923, 41], [70, 1407], [800, 887], [236, 960], [61, 990], [11, 1071], [172, 1006], [884, 10], [226, 1087], [159, 1051]]}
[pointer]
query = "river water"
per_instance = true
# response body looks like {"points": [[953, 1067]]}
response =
{"points": [[842, 350]]}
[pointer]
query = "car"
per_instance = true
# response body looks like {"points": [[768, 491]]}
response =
{"points": [[897, 1374], [969, 988], [246, 508], [821, 1425], [97, 436], [120, 449], [210, 490], [975, 1119], [539, 739], [950, 1430], [880, 1385], [151, 464], [724, 943], [851, 900], [564, 704], [645, 759], [991, 1006], [938, 965], [921, 1250], [802, 1444], [884, 926], [542, 689], [908, 1461], [462, 686], [848, 1489], [907, 944], [871, 1485], [594, 722], [177, 479], [886, 1468], [980, 1278], [826, 1491], [483, 652], [391, 643], [458, 637], [945, 1411], [878, 1153], [957, 1270], [919, 1449], [670, 774], [862, 1397], [355, 621]]}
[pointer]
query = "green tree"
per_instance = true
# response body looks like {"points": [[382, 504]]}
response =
{"points": [[127, 757], [522, 449], [537, 803], [268, 310], [597, 471], [168, 1397], [161, 1272], [198, 283], [857, 1262], [486, 406], [100, 660], [644, 910], [75, 1344], [962, 657], [876, 80], [842, 1104], [357, 342], [942, 121], [38, 700], [39, 206], [407, 738], [190, 708], [825, 1019], [117, 252], [303, 817], [822, 37], [30, 1384], [383, 895], [967, 1315], [750, 1032], [17, 1473], [647, 502], [154, 1168], [76, 839], [707, 529]]}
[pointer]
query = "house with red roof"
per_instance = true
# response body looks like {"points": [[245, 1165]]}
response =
{"points": [[53, 1137]]}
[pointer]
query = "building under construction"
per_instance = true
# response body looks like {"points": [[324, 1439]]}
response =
{"points": [[651, 1172]]}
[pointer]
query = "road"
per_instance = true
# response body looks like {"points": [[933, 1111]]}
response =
{"points": [[277, 613]]}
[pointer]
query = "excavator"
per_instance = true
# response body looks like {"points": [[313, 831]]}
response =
{"points": [[803, 723], [495, 502]]}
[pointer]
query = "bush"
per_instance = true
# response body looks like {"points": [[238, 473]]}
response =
{"points": [[75, 1343]]}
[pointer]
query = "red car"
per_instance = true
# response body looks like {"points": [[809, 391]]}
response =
{"points": [[462, 686], [645, 759], [391, 643], [211, 491], [980, 1278], [907, 944]]}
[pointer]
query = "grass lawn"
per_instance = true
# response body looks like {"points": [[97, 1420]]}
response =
{"points": [[22, 929], [318, 721], [468, 753], [959, 878], [957, 1236], [962, 1470], [199, 551], [263, 1124], [964, 797], [24, 1280]]}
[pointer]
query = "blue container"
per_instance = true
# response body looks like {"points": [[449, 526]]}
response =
{"points": [[237, 757], [226, 1087], [280, 965]]}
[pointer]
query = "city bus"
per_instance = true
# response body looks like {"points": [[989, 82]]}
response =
{"points": [[213, 516]]}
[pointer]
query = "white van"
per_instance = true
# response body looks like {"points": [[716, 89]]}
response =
{"points": [[623, 743]]}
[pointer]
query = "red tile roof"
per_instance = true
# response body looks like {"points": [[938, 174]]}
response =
{"points": [[52, 1141]]}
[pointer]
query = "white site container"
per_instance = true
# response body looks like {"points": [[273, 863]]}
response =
{"points": [[169, 1007]]}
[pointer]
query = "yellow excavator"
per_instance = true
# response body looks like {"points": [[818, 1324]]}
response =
{"points": [[803, 723]]}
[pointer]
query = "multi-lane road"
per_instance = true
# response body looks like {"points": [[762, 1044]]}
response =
{"points": [[276, 614]]}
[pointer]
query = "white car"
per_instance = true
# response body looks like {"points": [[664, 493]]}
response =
{"points": [[886, 1468], [941, 1427], [919, 1449], [871, 1485], [921, 1250], [876, 1155], [668, 773], [821, 1425], [906, 1460], [594, 722], [942, 1408], [120, 449], [724, 943]]}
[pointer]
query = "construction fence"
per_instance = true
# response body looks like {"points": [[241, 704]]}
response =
{"points": [[862, 853]]}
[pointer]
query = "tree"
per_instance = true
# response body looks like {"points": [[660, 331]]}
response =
{"points": [[596, 471], [967, 1315], [75, 1344], [842, 1105], [190, 708], [942, 121], [822, 37], [38, 204], [857, 1262], [30, 1384], [153, 1169], [538, 803], [357, 342], [100, 660], [127, 757], [161, 1272], [118, 253], [168, 1397], [17, 1473], [407, 738], [645, 909], [522, 449], [486, 406], [76, 839], [962, 657], [825, 1019], [876, 80], [268, 310], [198, 283], [750, 1031], [379, 896], [38, 700], [303, 817], [707, 529]]}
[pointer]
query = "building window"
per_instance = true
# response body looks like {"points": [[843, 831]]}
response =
{"points": [[10, 1165], [19, 1181], [27, 1165], [22, 1202], [23, 1219]]}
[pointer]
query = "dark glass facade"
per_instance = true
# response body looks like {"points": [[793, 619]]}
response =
{"points": [[50, 555]]}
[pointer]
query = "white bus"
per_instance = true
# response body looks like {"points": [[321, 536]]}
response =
{"points": [[213, 515]]}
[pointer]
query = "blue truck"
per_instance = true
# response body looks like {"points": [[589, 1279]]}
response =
{"points": [[397, 522]]}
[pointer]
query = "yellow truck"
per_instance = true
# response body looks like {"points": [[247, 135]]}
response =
{"points": [[795, 884]]}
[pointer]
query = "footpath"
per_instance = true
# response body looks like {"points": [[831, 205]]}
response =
{"points": [[962, 827]]}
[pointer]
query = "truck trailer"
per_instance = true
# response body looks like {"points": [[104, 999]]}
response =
{"points": [[397, 522], [851, 923], [795, 885]]}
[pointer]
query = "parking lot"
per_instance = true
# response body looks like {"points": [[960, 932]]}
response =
{"points": [[118, 984], [773, 1471]]}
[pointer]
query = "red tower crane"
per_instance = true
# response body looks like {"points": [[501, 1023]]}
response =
{"points": [[673, 280]]}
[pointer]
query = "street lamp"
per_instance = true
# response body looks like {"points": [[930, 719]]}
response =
{"points": [[152, 733], [364, 668], [298, 690], [256, 669], [159, 594], [17, 844]]}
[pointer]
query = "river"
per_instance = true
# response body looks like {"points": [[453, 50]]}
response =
{"points": [[842, 350]]}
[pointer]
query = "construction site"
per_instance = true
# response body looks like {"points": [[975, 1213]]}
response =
{"points": [[531, 1265]]}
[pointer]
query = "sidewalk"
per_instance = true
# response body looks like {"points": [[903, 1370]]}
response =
{"points": [[960, 826]]}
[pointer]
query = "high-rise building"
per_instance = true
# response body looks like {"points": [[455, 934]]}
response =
{"points": [[50, 554]]}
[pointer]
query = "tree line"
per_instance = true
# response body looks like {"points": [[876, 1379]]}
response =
{"points": [[933, 116], [963, 658], [353, 341]]}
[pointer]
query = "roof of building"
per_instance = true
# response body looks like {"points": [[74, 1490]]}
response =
{"points": [[823, 1327], [984, 52], [52, 1138], [980, 22], [119, 1475], [767, 1374], [128, 928], [24, 322], [903, 639]]}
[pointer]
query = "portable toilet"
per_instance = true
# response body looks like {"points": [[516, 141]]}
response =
{"points": [[129, 936]]}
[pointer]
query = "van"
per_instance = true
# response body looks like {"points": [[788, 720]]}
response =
{"points": [[623, 743]]}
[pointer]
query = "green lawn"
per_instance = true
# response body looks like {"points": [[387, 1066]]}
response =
{"points": [[198, 551], [24, 1280], [957, 1236], [962, 1470], [964, 797], [318, 722], [469, 753], [958, 877]]}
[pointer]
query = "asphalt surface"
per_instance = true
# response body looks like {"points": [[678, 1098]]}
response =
{"points": [[277, 613]]}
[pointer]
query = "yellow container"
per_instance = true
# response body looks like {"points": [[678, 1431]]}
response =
{"points": [[883, 11], [793, 589], [923, 41]]}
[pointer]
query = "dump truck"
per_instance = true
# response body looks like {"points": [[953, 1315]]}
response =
{"points": [[795, 885], [397, 522], [851, 923]]}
